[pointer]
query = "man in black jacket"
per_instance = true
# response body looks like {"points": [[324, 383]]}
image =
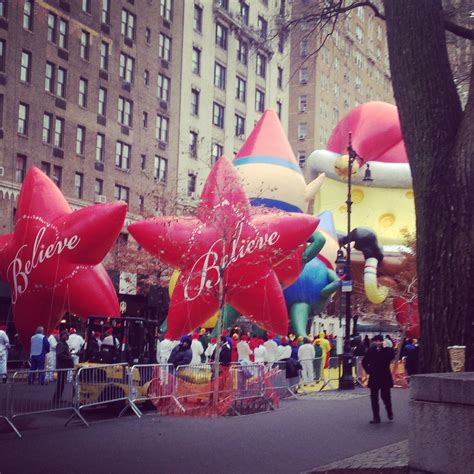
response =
{"points": [[63, 361], [377, 365], [182, 353]]}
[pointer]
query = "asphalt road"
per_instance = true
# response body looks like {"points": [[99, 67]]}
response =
{"points": [[301, 435]]}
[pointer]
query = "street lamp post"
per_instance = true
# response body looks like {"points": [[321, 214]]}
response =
{"points": [[346, 381]]}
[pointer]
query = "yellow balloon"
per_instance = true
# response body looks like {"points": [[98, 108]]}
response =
{"points": [[212, 321]]}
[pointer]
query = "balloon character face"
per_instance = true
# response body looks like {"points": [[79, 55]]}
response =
{"points": [[51, 261], [226, 255]]}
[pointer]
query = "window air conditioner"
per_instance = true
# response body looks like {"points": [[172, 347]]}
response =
{"points": [[2, 171], [100, 198]]}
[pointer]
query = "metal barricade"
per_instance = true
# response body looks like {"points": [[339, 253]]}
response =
{"points": [[154, 383], [331, 373], [41, 391], [107, 384], [280, 383], [196, 381], [247, 380], [361, 375], [5, 389]]}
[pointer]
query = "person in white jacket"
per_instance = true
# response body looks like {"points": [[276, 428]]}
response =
{"points": [[197, 350], [51, 355], [305, 356], [260, 353], [243, 349], [284, 349], [272, 351], [211, 347], [4, 347], [166, 346]]}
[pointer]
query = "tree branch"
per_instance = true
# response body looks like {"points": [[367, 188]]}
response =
{"points": [[458, 30]]}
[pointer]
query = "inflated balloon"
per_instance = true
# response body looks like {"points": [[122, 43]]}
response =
{"points": [[228, 250], [52, 260], [407, 317]]}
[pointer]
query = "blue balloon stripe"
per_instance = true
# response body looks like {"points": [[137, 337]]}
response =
{"points": [[274, 203], [267, 160]]}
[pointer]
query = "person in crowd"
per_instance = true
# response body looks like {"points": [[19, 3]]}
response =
{"points": [[410, 352], [388, 342], [111, 339], [197, 349], [182, 353], [306, 357], [166, 347], [204, 338], [225, 355], [4, 348], [75, 343], [51, 355], [234, 340], [366, 343], [294, 349], [360, 348], [260, 353], [377, 365], [92, 348], [63, 361], [243, 349], [272, 350], [284, 349], [39, 349], [210, 349], [326, 348], [318, 359], [292, 372]]}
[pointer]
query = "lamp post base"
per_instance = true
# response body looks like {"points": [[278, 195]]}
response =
{"points": [[346, 382]]}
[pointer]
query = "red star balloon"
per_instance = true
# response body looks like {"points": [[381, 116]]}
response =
{"points": [[229, 249], [51, 261]]}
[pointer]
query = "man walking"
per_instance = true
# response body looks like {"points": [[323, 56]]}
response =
{"points": [[39, 349], [377, 365], [63, 361]]}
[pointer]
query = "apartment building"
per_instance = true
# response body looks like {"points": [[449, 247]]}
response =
{"points": [[331, 73], [80, 98]]}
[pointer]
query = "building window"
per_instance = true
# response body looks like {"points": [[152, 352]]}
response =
{"points": [[193, 144], [141, 203], [359, 34], [244, 12], [25, 66], [280, 77], [304, 48], [125, 111], [46, 168], [147, 36], [242, 52], [47, 127], [100, 148], [80, 140], [122, 155], [302, 131], [239, 125], [104, 56], [59, 132], [145, 119], [105, 12], [191, 184], [219, 76], [86, 6], [23, 116], [196, 61], [197, 24], [49, 77], [302, 103], [259, 100], [102, 104], [261, 65], [166, 9], [57, 175], [281, 43], [279, 108], [3, 53], [217, 151], [194, 101], [78, 185], [63, 33], [241, 92], [85, 45], [301, 158], [52, 31], [83, 86], [28, 15], [221, 36], [164, 47], [127, 67], [20, 168], [304, 75], [3, 8], [2, 97], [218, 115], [127, 26], [262, 27], [142, 162], [160, 169], [121, 193], [162, 126], [61, 82], [163, 88], [99, 188]]}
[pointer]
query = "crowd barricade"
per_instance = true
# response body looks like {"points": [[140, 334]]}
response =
{"points": [[399, 374], [5, 389], [196, 383], [331, 373], [154, 383], [106, 384], [361, 375], [39, 392], [284, 387]]}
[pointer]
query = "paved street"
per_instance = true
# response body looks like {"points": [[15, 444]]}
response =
{"points": [[302, 435]]}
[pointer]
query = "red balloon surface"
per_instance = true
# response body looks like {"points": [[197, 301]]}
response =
{"points": [[52, 260], [226, 234], [401, 308]]}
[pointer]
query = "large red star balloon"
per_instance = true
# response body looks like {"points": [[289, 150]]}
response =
{"points": [[228, 249], [52, 260]]}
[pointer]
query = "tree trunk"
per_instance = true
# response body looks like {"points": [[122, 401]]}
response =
{"points": [[438, 138]]}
